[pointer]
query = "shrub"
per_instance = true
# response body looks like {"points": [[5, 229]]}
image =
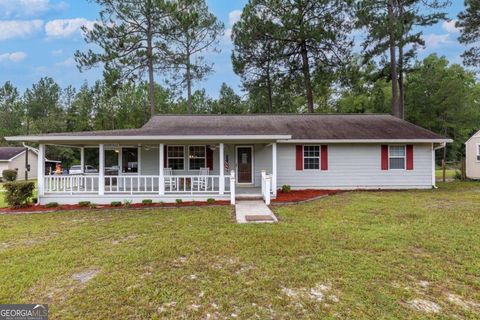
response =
{"points": [[51, 205], [9, 175], [116, 203], [458, 175], [178, 201], [210, 201], [162, 203], [286, 188], [93, 206], [17, 194], [84, 204], [147, 202], [127, 203]]}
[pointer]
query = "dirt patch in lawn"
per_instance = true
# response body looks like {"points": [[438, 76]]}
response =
{"points": [[426, 306], [85, 276], [464, 304], [302, 195], [320, 293]]}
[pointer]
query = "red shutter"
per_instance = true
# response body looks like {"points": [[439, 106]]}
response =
{"points": [[324, 158], [165, 160], [409, 157], [384, 157], [299, 157], [209, 158]]}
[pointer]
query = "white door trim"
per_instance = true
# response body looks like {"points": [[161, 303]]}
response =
{"points": [[252, 181]]}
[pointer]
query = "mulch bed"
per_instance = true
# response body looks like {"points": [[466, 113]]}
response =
{"points": [[282, 197], [302, 195], [69, 207]]}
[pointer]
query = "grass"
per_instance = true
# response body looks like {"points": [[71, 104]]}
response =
{"points": [[449, 174], [357, 255]]}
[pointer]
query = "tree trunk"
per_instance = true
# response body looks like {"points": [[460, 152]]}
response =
{"points": [[393, 63], [189, 85], [306, 75], [151, 80], [269, 88], [401, 84]]}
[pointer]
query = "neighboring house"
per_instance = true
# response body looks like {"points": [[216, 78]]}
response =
{"points": [[472, 156], [222, 156], [14, 158]]}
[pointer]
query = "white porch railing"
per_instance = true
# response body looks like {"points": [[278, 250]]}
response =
{"points": [[266, 187], [71, 184], [137, 184]]}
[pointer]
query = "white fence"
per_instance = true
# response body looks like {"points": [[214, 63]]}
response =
{"points": [[71, 184], [266, 187], [138, 184]]}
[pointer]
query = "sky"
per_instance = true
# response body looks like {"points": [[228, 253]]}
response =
{"points": [[38, 38]]}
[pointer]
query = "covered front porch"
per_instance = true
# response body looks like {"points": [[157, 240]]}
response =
{"points": [[164, 172]]}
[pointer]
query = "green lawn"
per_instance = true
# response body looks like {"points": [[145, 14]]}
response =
{"points": [[357, 255], [449, 174]]}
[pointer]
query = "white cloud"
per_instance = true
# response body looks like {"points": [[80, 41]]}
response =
{"points": [[13, 56], [64, 28], [234, 16], [10, 29], [69, 62], [437, 40], [57, 52], [449, 26], [24, 8]]}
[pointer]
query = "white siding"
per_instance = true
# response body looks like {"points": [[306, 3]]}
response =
{"points": [[351, 166], [472, 164], [18, 163], [355, 166]]}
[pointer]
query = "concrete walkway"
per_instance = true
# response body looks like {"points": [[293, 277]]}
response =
{"points": [[254, 212]]}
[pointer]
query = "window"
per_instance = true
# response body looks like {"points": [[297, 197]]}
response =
{"points": [[478, 151], [197, 157], [396, 157], [130, 160], [311, 157], [176, 157]]}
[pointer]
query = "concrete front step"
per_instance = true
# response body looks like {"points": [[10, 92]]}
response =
{"points": [[253, 211]]}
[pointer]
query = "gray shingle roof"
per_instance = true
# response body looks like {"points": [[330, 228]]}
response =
{"points": [[298, 126], [304, 126], [7, 153]]}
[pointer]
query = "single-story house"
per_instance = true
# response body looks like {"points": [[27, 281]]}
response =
{"points": [[16, 158], [230, 156], [472, 156]]}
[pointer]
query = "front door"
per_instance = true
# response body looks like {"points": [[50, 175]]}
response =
{"points": [[244, 164]]}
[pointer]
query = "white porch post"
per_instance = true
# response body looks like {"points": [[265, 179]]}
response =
{"points": [[161, 181], [434, 182], [274, 168], [221, 184], [232, 187], [101, 169], [82, 159], [41, 169]]}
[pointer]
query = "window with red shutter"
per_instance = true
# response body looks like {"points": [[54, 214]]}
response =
{"points": [[384, 157], [409, 157], [299, 157], [324, 158]]}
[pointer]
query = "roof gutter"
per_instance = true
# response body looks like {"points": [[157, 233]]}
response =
{"points": [[147, 138], [443, 141]]}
